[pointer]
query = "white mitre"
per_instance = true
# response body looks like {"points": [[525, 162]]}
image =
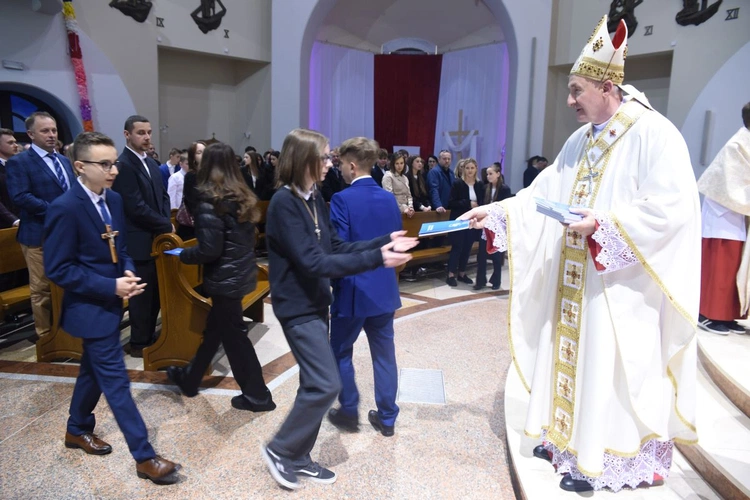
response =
{"points": [[603, 58]]}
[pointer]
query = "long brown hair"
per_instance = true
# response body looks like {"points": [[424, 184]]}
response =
{"points": [[500, 181], [300, 158], [220, 180], [419, 182]]}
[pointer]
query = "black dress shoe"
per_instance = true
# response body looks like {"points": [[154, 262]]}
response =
{"points": [[342, 421], [249, 403], [479, 286], [541, 452], [496, 287], [386, 430], [465, 279], [451, 281], [577, 485], [176, 374]]}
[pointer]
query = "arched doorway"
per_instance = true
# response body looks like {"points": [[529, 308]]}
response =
{"points": [[18, 101], [528, 52]]}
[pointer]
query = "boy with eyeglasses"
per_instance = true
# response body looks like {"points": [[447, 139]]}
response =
{"points": [[85, 254]]}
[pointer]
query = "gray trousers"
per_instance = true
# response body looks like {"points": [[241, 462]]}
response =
{"points": [[319, 385]]}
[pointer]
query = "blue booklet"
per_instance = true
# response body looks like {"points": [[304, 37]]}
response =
{"points": [[448, 226], [174, 251]]}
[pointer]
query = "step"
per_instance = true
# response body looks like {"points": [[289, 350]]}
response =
{"points": [[535, 479], [726, 359], [722, 455]]}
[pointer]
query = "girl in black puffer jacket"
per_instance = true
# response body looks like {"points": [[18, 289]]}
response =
{"points": [[225, 229]]}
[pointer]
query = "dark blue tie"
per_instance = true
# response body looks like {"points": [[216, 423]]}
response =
{"points": [[104, 212], [58, 171]]}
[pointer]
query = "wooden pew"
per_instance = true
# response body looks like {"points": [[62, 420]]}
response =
{"points": [[183, 310], [11, 259], [58, 344]]}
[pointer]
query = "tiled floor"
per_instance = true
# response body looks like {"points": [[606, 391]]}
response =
{"points": [[439, 451]]}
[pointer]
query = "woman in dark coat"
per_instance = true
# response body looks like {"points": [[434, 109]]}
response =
{"points": [[224, 226], [467, 192]]}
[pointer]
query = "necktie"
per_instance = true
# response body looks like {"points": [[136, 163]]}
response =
{"points": [[105, 214], [58, 171]]}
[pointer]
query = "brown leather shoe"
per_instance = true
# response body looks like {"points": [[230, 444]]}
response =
{"points": [[88, 442], [157, 469], [133, 351]]}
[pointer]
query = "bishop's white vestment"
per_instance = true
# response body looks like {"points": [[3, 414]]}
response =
{"points": [[606, 345]]}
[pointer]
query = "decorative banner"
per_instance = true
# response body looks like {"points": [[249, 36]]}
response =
{"points": [[76, 58]]}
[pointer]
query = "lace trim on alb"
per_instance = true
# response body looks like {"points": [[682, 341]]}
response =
{"points": [[618, 472], [615, 254], [497, 222]]}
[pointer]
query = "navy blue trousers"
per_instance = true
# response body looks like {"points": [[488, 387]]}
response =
{"points": [[379, 330], [103, 371]]}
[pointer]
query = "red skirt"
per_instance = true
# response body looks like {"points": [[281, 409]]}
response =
{"points": [[719, 265]]}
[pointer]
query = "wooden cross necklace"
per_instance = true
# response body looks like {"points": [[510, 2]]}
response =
{"points": [[110, 235]]}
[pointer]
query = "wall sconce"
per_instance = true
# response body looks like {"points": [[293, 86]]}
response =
{"points": [[164, 129]]}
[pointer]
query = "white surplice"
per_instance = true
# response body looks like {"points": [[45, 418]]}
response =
{"points": [[626, 385]]}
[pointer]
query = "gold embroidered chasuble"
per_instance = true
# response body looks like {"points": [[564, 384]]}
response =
{"points": [[609, 358]]}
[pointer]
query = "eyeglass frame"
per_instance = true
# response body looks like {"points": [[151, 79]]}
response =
{"points": [[102, 164]]}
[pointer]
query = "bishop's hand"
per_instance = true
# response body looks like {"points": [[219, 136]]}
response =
{"points": [[475, 216], [586, 226]]}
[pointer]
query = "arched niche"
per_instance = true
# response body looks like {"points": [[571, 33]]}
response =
{"points": [[71, 125]]}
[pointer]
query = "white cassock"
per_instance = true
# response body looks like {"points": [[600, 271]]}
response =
{"points": [[608, 355]]}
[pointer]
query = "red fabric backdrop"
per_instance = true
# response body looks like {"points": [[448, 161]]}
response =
{"points": [[407, 88]]}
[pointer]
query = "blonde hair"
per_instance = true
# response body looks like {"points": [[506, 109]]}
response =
{"points": [[300, 158], [462, 165]]}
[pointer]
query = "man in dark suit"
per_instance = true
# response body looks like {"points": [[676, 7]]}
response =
{"points": [[86, 255], [147, 214], [380, 167], [367, 300], [531, 171], [7, 149], [35, 178]]}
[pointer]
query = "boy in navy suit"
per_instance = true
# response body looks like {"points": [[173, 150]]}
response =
{"points": [[85, 254], [367, 300]]}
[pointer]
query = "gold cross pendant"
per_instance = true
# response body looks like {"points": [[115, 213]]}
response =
{"points": [[110, 235]]}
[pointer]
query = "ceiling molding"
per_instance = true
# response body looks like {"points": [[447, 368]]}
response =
{"points": [[409, 43]]}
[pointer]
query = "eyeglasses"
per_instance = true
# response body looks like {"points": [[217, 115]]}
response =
{"points": [[106, 165], [326, 158]]}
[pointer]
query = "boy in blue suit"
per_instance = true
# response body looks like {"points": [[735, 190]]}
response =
{"points": [[85, 254], [367, 300]]}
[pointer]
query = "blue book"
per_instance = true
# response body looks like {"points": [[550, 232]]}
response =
{"points": [[174, 251], [448, 226]]}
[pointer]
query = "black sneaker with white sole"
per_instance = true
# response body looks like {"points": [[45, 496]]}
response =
{"points": [[280, 468], [709, 325], [316, 473]]}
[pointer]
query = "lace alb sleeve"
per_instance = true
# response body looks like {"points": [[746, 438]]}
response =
{"points": [[497, 223], [616, 254]]}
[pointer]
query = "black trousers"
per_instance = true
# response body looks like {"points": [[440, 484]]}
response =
{"points": [[461, 242], [225, 325], [144, 308], [497, 265]]}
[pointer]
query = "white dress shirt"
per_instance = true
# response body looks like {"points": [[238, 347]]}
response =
{"points": [[174, 188], [95, 199], [142, 157]]}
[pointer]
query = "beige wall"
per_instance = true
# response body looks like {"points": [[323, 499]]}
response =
{"points": [[201, 95]]}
